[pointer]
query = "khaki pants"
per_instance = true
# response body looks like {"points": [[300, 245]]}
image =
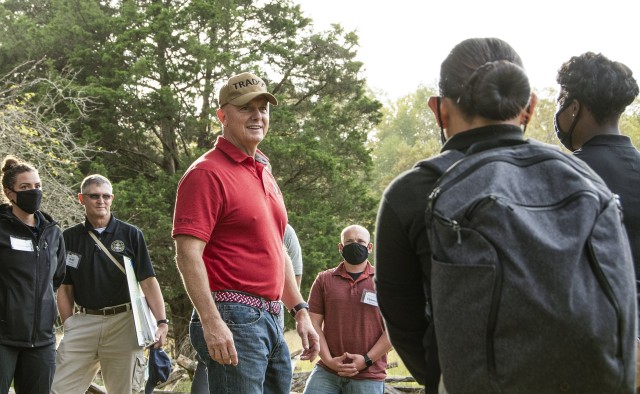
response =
{"points": [[93, 342]]}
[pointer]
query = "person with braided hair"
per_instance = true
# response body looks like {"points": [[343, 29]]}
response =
{"points": [[485, 98]]}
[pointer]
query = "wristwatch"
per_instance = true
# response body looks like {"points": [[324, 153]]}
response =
{"points": [[295, 309], [367, 360], [165, 321]]}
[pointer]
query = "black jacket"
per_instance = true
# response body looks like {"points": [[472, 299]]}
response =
{"points": [[32, 267], [403, 258], [617, 161]]}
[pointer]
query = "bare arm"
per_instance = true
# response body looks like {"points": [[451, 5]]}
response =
{"points": [[291, 297], [194, 276], [325, 354], [335, 363], [66, 301], [151, 289]]}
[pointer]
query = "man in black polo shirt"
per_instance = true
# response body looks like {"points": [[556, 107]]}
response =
{"points": [[102, 334]]}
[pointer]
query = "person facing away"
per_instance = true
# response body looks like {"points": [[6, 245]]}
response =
{"points": [[485, 98], [200, 384], [33, 266], [94, 301], [594, 92], [228, 226], [344, 312]]}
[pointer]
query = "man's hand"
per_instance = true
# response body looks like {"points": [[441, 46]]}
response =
{"points": [[357, 363], [342, 365], [308, 335], [161, 335], [220, 343]]}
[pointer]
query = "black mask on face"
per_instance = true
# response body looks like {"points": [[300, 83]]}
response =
{"points": [[355, 253], [28, 200], [566, 138]]}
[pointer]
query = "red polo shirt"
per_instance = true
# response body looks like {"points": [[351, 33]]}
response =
{"points": [[350, 325], [233, 203]]}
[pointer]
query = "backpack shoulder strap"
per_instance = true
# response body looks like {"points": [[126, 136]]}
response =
{"points": [[440, 163]]}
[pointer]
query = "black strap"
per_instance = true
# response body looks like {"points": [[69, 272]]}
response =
{"points": [[106, 251], [492, 144], [440, 163]]}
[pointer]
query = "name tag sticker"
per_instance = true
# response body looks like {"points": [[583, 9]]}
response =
{"points": [[73, 259], [23, 244], [369, 297]]}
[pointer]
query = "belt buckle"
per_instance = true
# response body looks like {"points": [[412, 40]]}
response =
{"points": [[270, 307]]}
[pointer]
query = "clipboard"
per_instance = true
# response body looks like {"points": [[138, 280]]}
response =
{"points": [[145, 321]]}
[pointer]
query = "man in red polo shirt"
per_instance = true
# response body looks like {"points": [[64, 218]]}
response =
{"points": [[344, 311], [228, 226]]}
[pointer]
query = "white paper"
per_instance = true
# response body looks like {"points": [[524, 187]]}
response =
{"points": [[369, 297], [145, 321], [23, 244], [73, 259]]}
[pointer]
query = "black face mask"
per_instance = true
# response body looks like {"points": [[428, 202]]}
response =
{"points": [[28, 200], [355, 253], [566, 138]]}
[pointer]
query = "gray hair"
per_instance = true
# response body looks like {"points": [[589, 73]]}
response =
{"points": [[95, 179]]}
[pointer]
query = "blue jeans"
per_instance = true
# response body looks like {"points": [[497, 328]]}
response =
{"points": [[264, 362], [322, 381]]}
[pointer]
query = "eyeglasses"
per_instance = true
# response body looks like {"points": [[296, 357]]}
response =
{"points": [[96, 196]]}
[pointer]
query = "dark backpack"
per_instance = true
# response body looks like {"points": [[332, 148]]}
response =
{"points": [[532, 280]]}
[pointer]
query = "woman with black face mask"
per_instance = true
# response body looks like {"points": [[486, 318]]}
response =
{"points": [[32, 262]]}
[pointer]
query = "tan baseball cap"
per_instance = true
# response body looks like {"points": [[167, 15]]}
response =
{"points": [[242, 88]]}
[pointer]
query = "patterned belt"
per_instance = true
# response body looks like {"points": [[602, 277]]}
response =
{"points": [[272, 307], [110, 310]]}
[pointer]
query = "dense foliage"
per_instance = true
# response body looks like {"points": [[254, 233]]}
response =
{"points": [[128, 89], [153, 69]]}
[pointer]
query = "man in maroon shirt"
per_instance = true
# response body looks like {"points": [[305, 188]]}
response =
{"points": [[228, 225], [344, 311]]}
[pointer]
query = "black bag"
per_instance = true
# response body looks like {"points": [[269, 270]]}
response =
{"points": [[532, 280]]}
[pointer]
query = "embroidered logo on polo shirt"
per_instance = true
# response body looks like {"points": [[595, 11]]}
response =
{"points": [[117, 246]]}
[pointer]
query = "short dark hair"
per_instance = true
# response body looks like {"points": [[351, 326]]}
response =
{"points": [[604, 86], [11, 168], [485, 76]]}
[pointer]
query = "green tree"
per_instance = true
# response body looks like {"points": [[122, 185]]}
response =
{"points": [[630, 122], [541, 125], [32, 129], [407, 134], [154, 67]]}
